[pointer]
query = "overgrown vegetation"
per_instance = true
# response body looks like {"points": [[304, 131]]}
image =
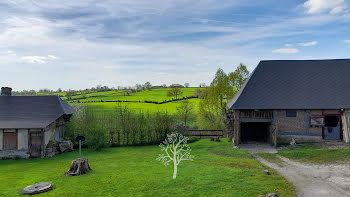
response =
{"points": [[120, 127]]}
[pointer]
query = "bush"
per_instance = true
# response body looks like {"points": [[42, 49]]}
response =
{"points": [[192, 139], [97, 137]]}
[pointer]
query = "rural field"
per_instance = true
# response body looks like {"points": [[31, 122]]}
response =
{"points": [[217, 170], [139, 101]]}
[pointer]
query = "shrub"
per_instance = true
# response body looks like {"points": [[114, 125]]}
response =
{"points": [[192, 139], [97, 137]]}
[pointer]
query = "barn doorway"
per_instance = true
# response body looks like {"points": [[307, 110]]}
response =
{"points": [[35, 144], [332, 127], [255, 131]]}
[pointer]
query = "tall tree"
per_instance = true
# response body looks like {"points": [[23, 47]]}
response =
{"points": [[185, 111], [239, 76], [220, 87], [212, 105]]}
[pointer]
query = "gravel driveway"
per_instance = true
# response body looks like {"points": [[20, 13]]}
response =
{"points": [[314, 179]]}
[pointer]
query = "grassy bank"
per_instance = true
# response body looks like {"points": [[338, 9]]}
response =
{"points": [[316, 154], [217, 170]]}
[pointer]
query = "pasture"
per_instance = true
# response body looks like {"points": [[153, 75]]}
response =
{"points": [[217, 170], [98, 99]]}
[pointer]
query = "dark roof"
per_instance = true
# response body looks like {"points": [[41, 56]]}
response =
{"points": [[18, 112], [296, 84]]}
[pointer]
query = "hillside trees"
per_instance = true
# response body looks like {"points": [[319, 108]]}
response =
{"points": [[147, 86], [212, 106], [174, 91], [185, 112]]}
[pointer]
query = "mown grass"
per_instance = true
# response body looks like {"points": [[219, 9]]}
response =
{"points": [[315, 154], [134, 171]]}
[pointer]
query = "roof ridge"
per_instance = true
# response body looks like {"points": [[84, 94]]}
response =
{"points": [[307, 60]]}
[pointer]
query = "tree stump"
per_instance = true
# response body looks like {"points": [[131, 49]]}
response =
{"points": [[79, 166]]}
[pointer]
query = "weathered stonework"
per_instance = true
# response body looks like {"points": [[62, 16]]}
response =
{"points": [[282, 128]]}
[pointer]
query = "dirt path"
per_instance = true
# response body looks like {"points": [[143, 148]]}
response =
{"points": [[313, 179]]}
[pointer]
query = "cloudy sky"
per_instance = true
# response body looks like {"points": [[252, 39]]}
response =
{"points": [[83, 43]]}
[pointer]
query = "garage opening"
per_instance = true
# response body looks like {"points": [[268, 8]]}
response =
{"points": [[255, 131]]}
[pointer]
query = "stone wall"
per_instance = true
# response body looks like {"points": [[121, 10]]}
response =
{"points": [[290, 124], [233, 126]]}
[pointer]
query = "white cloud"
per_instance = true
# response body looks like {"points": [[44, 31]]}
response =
{"points": [[325, 6], [35, 59], [347, 41], [52, 57], [307, 44], [286, 50], [288, 45], [38, 59]]}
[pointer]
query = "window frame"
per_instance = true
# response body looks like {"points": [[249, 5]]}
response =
{"points": [[290, 113]]}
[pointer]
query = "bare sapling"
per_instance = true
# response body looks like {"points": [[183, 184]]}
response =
{"points": [[175, 150]]}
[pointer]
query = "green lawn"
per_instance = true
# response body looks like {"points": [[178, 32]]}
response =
{"points": [[315, 154], [217, 170]]}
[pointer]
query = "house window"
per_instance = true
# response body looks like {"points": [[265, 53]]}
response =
{"points": [[291, 113], [316, 121]]}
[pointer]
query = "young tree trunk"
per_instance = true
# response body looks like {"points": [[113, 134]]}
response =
{"points": [[175, 168]]}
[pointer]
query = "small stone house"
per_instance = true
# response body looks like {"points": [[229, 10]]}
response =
{"points": [[286, 100], [31, 126]]}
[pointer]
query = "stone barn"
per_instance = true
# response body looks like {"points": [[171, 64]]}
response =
{"points": [[304, 100], [32, 126]]}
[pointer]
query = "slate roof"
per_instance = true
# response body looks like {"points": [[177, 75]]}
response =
{"points": [[296, 84], [17, 112]]}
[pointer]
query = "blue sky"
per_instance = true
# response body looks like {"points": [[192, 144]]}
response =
{"points": [[83, 43]]}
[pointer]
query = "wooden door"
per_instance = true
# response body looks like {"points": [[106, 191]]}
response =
{"points": [[35, 144], [10, 140]]}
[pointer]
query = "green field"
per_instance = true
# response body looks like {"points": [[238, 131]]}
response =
{"points": [[217, 170], [158, 95], [142, 107], [139, 98]]}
